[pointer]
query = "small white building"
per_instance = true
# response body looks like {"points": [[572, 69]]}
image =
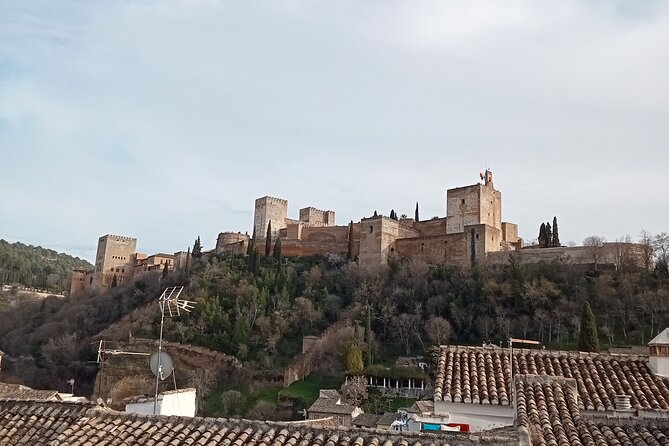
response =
{"points": [[181, 402], [658, 354]]}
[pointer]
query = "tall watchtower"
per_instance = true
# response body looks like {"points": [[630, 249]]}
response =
{"points": [[269, 209], [115, 251], [474, 205]]}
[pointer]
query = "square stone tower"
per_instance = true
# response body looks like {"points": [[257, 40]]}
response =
{"points": [[473, 205], [115, 257], [269, 209]]}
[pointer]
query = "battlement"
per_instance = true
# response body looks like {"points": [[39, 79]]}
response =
{"points": [[317, 217], [268, 198], [118, 237]]}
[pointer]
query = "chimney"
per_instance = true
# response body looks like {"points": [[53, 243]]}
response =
{"points": [[622, 403]]}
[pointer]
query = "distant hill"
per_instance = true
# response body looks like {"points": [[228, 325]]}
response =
{"points": [[35, 266]]}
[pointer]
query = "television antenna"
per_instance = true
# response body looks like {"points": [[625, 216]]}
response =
{"points": [[170, 305], [104, 351]]}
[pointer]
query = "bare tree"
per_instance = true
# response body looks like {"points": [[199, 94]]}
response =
{"points": [[438, 329], [354, 390], [646, 240], [594, 243]]}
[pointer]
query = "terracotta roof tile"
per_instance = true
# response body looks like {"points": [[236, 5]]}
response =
{"points": [[481, 375], [64, 423]]}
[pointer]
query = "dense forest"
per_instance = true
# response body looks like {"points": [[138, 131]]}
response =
{"points": [[258, 309], [38, 267]]}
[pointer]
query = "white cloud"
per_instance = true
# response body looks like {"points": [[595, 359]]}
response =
{"points": [[123, 111]]}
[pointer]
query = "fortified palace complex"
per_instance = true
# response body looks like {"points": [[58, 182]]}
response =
{"points": [[472, 231]]}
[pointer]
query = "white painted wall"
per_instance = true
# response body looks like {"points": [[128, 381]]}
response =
{"points": [[480, 417], [180, 403], [659, 365]]}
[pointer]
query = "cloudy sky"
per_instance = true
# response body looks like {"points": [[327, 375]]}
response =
{"points": [[165, 119]]}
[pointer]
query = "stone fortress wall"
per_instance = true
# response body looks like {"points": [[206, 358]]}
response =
{"points": [[472, 231]]}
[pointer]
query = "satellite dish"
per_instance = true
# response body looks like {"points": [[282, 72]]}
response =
{"points": [[166, 365]]}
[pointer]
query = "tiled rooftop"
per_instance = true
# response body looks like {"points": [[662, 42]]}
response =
{"points": [[59, 423], [548, 413], [481, 375], [20, 392]]}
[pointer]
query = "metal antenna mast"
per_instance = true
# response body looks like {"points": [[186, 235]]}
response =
{"points": [[170, 305]]}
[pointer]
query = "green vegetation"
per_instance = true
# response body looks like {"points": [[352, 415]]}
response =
{"points": [[34, 266], [248, 401], [589, 339], [260, 310], [304, 392]]}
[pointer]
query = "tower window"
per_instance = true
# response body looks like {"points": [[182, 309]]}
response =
{"points": [[463, 201], [371, 229], [477, 236]]}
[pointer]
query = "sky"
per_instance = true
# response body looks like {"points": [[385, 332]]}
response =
{"points": [[165, 119]]}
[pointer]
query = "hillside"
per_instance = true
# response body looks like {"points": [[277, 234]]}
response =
{"points": [[35, 266], [259, 311]]}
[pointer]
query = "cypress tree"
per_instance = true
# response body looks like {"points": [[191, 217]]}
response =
{"points": [[556, 238], [542, 235], [277, 249], [589, 339], [375, 214], [165, 271], [349, 252], [197, 248], [252, 242], [268, 240], [368, 334], [188, 262], [416, 214], [549, 235]]}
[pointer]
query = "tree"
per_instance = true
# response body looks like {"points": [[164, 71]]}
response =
{"points": [[197, 248], [438, 329], [268, 240], [549, 236], [594, 243], [165, 270], [556, 238], [542, 235], [375, 214], [646, 242], [355, 390], [114, 282], [589, 339], [252, 243], [353, 358], [277, 249], [349, 252], [416, 213]]}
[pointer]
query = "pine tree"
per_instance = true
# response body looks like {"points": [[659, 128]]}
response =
{"points": [[114, 283], [349, 252], [549, 235], [165, 271], [268, 240], [197, 248], [589, 339], [416, 216], [556, 238]]}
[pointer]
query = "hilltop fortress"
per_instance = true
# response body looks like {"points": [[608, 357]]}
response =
{"points": [[472, 231]]}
